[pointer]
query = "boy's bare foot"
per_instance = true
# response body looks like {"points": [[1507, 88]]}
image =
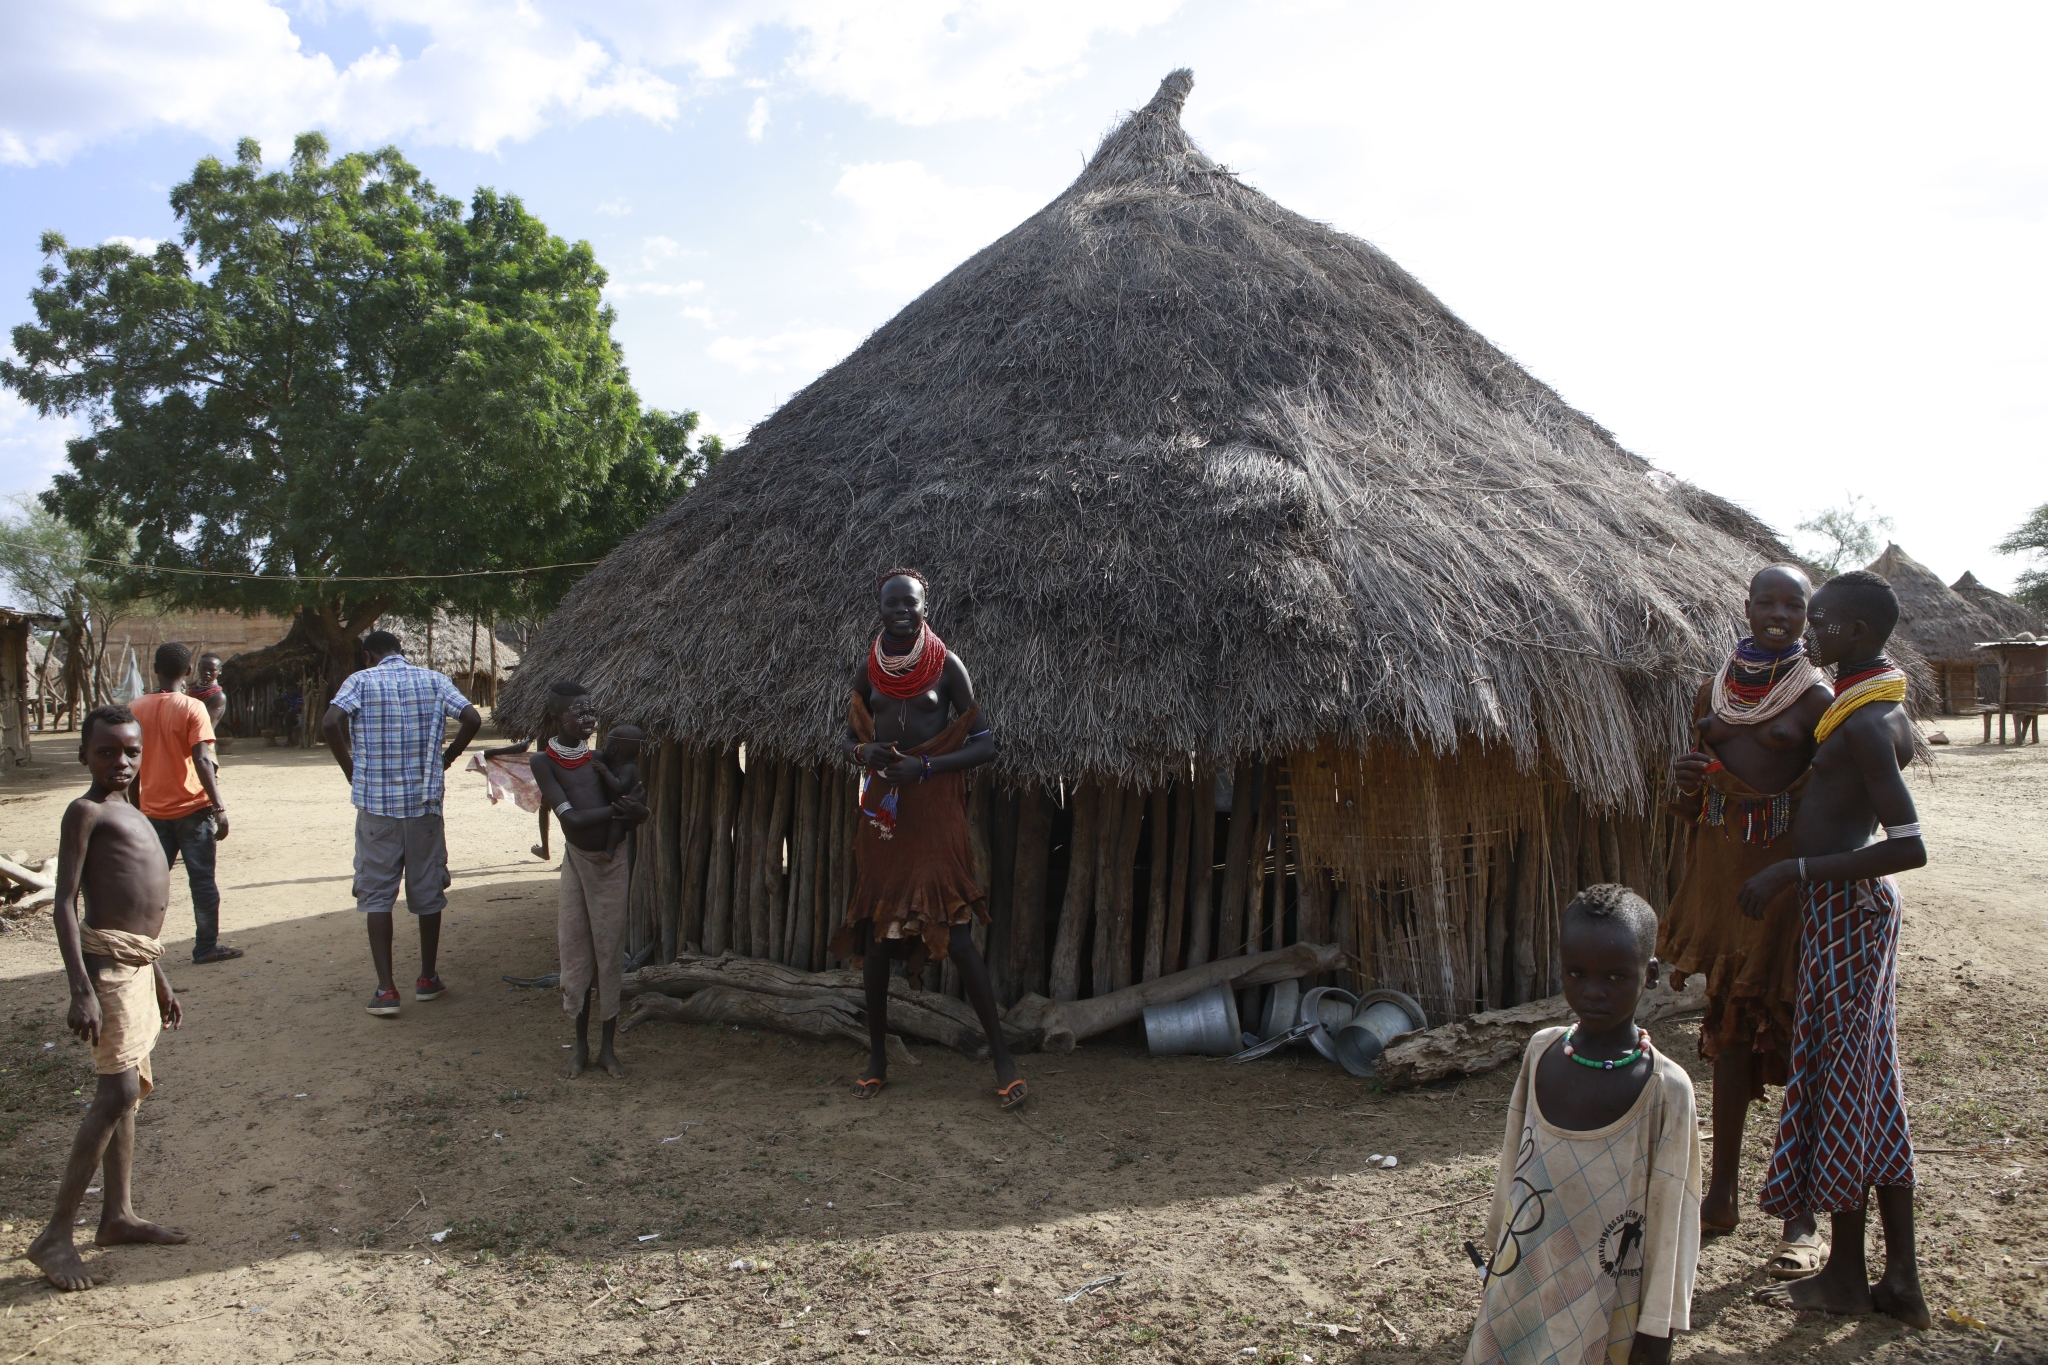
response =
{"points": [[1720, 1211], [607, 1059], [537, 851], [54, 1255], [1900, 1297], [120, 1231], [1828, 1292], [579, 1057]]}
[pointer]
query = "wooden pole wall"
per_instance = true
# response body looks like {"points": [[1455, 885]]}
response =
{"points": [[1202, 868], [1065, 968], [1027, 895]]}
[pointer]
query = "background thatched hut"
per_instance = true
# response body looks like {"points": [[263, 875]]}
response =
{"points": [[1941, 624], [466, 648], [1299, 610]]}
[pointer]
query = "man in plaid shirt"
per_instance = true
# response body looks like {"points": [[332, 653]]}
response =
{"points": [[385, 728]]}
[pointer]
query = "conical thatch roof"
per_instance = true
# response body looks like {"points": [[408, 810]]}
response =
{"points": [[2010, 616], [461, 646], [1934, 618], [1191, 474]]}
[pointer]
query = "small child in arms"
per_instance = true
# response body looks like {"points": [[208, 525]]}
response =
{"points": [[120, 998], [619, 766], [1595, 1231]]}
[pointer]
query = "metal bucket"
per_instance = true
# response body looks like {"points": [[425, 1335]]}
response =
{"points": [[1203, 1025], [1382, 1017], [1283, 1003], [1330, 1007]]}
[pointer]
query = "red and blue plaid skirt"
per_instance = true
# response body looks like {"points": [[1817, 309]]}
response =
{"points": [[1843, 1129]]}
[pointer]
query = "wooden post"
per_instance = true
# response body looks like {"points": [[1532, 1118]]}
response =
{"points": [[1183, 805], [1108, 845], [1236, 857], [1124, 880], [696, 847], [847, 864], [1529, 847], [1608, 823], [494, 665], [1002, 835], [725, 802], [1080, 897], [1344, 929], [1312, 919], [1027, 895], [1634, 871], [804, 849], [666, 845], [1159, 868], [641, 907], [832, 796], [771, 907], [1201, 866], [1255, 868]]}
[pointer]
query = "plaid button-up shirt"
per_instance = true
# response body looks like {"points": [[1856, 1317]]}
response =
{"points": [[396, 714]]}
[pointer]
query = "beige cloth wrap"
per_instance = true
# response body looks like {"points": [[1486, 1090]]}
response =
{"points": [[129, 1017], [590, 927]]}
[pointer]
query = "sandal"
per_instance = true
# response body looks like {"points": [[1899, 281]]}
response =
{"points": [[1014, 1094], [1795, 1260], [868, 1088], [219, 952]]}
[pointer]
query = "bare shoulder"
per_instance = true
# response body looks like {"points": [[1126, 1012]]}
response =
{"points": [[957, 680]]}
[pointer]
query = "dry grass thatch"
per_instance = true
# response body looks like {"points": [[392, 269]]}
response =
{"points": [[1192, 475], [2011, 617], [1942, 624]]}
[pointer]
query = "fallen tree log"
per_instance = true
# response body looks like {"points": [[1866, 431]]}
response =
{"points": [[921, 1014], [819, 1016], [28, 877], [1061, 1024], [1497, 1037]]}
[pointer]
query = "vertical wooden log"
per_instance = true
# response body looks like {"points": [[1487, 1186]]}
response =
{"points": [[1183, 805], [1568, 877], [642, 909], [1108, 843], [1610, 847], [1500, 898], [1080, 898], [803, 846], [772, 907], [1027, 895], [1201, 866], [753, 779], [1002, 837], [1312, 922], [1628, 837], [1344, 929], [1237, 853], [846, 874], [667, 843], [698, 818], [1160, 866], [1123, 878], [1528, 878], [830, 784], [1255, 867]]}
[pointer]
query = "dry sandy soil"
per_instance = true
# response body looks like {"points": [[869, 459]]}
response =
{"points": [[729, 1201]]}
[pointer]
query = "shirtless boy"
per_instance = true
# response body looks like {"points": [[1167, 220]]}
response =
{"points": [[205, 689], [1739, 790], [590, 925], [1843, 1129], [120, 998]]}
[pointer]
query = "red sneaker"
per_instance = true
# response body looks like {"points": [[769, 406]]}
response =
{"points": [[384, 1003], [428, 988]]}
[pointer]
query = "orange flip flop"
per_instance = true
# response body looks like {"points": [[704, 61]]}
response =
{"points": [[869, 1088], [1014, 1094]]}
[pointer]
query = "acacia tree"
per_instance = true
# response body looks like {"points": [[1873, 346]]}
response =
{"points": [[337, 372], [2030, 538], [45, 563], [1845, 537]]}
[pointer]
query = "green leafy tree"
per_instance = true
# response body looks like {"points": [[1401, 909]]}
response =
{"points": [[45, 566], [2031, 539], [1844, 537], [338, 372]]}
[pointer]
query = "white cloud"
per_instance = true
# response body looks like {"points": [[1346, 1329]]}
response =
{"points": [[615, 208], [31, 447], [141, 246], [911, 226], [757, 119], [656, 288], [800, 351], [489, 71]]}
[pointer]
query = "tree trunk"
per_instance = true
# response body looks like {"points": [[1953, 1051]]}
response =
{"points": [[718, 883], [802, 900], [1201, 865], [1080, 898], [1236, 859], [1027, 896], [1110, 813], [1159, 865], [1124, 880], [772, 907]]}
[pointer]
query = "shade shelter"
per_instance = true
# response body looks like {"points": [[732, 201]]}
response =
{"points": [[1941, 624], [1299, 609], [2022, 686]]}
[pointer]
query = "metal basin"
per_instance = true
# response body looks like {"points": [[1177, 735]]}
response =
{"points": [[1382, 1017], [1203, 1025], [1330, 1007], [1283, 1003]]}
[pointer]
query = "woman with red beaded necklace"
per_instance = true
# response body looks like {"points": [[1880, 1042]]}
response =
{"points": [[914, 730]]}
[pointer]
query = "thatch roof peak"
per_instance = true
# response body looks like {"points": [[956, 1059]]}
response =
{"points": [[2012, 617], [1193, 475], [1934, 618]]}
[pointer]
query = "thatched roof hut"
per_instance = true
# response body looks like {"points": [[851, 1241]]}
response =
{"points": [[1203, 487], [2012, 617], [1940, 623], [466, 648]]}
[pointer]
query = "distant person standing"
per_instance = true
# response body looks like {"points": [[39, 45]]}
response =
{"points": [[393, 714], [205, 689], [179, 790]]}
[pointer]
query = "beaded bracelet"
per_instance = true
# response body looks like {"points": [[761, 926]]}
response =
{"points": [[927, 769]]}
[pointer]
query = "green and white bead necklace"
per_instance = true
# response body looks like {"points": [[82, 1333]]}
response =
{"points": [[1625, 1059]]}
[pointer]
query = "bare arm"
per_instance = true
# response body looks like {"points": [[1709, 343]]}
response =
{"points": [[555, 798], [472, 721], [72, 843], [334, 725], [209, 781], [959, 690]]}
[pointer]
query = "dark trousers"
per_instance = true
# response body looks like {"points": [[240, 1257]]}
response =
{"points": [[192, 835]]}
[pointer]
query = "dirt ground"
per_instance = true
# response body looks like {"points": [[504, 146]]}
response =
{"points": [[729, 1202]]}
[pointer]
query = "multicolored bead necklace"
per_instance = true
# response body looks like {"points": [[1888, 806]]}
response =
{"points": [[1626, 1058]]}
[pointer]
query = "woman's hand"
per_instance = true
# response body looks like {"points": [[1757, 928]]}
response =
{"points": [[1759, 891], [903, 768], [1690, 772]]}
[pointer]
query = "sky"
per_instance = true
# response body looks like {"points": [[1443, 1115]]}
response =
{"points": [[1790, 253]]}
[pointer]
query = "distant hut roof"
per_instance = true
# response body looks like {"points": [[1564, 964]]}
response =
{"points": [[457, 640], [2012, 617], [1934, 618], [1191, 474]]}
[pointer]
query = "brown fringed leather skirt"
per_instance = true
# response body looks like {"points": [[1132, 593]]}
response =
{"points": [[1751, 966], [917, 880]]}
